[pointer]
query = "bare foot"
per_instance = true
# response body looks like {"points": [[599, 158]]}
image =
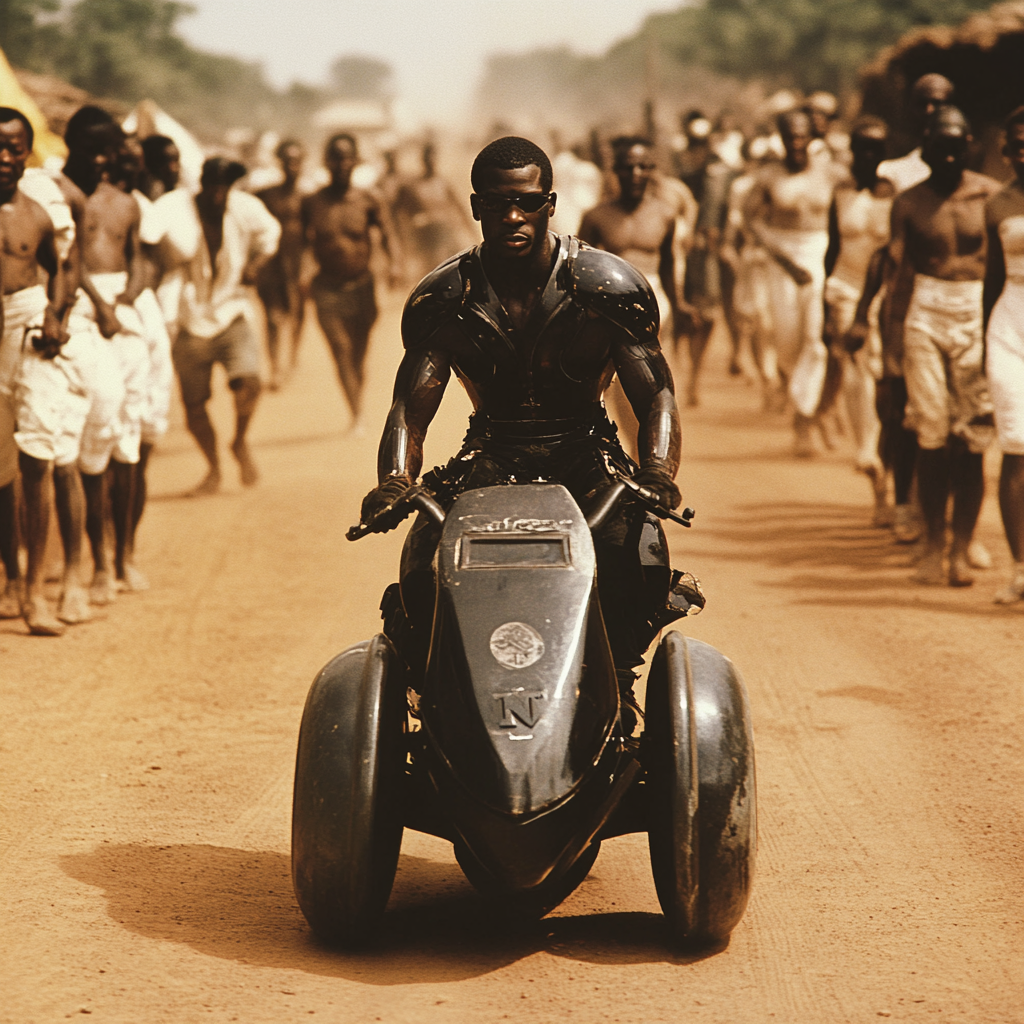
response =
{"points": [[250, 474], [883, 515], [40, 618], [906, 524], [960, 574], [209, 485], [74, 605], [1014, 590], [978, 556], [103, 589], [134, 580], [10, 600], [929, 570]]}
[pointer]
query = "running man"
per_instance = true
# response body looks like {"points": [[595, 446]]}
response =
{"points": [[939, 239], [280, 282], [787, 212], [237, 236], [338, 222], [858, 228]]}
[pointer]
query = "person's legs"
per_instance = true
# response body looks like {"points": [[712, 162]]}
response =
{"points": [[933, 480], [1011, 505], [342, 349], [201, 428], [10, 599], [69, 497], [967, 483], [247, 394], [123, 483], [135, 579], [37, 477], [193, 361], [97, 521]]}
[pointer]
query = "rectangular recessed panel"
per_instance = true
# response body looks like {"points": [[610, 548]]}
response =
{"points": [[514, 552]]}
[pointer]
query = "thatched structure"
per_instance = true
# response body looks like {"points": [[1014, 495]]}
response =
{"points": [[58, 100], [983, 57]]}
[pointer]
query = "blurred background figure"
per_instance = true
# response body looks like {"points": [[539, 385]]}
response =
{"points": [[280, 282]]}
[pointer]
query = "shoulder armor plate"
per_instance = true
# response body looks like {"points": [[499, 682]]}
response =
{"points": [[614, 289], [434, 301]]}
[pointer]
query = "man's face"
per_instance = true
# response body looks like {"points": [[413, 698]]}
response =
{"points": [[634, 168], [131, 160], [945, 149], [291, 162], [510, 232], [340, 159], [868, 151], [1014, 150], [172, 167], [796, 137], [14, 151], [930, 94]]}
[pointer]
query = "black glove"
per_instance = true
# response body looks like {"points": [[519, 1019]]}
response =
{"points": [[383, 495], [655, 479]]}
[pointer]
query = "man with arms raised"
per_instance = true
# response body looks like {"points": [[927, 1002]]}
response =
{"points": [[338, 221], [280, 285], [42, 404], [787, 212], [535, 326], [939, 240]]}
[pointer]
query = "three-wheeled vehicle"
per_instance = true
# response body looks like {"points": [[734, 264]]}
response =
{"points": [[508, 738]]}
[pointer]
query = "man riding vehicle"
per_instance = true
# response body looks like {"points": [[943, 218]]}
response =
{"points": [[535, 326]]}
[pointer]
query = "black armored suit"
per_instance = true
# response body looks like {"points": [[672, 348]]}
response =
{"points": [[537, 394]]}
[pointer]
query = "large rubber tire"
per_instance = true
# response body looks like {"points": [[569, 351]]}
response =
{"points": [[346, 819], [698, 749]]}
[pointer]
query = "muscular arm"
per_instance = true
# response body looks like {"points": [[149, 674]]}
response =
{"points": [[589, 231], [647, 381], [995, 271], [419, 387], [834, 240]]}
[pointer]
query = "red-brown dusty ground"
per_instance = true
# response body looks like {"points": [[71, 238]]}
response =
{"points": [[146, 764]]}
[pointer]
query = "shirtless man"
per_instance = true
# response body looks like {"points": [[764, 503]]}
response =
{"points": [[787, 212], [163, 165], [939, 239], [438, 225], [647, 225], [42, 409], [113, 276], [928, 94], [280, 284], [858, 227], [1004, 337], [338, 220]]}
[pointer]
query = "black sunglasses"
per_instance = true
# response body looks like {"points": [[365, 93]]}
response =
{"points": [[531, 202]]}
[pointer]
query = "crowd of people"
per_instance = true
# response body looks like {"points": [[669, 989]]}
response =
{"points": [[880, 296]]}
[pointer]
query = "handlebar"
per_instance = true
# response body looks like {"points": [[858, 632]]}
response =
{"points": [[416, 497]]}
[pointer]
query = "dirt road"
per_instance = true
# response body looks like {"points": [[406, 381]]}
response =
{"points": [[146, 762]]}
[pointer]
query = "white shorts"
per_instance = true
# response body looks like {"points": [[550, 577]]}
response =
{"points": [[947, 394], [160, 380], [1005, 366], [42, 402], [131, 366]]}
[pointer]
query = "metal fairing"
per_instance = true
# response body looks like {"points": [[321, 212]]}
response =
{"points": [[520, 697]]}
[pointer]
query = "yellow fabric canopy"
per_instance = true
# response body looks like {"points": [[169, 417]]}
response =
{"points": [[13, 95]]}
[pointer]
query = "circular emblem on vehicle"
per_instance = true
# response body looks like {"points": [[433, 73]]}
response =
{"points": [[516, 645]]}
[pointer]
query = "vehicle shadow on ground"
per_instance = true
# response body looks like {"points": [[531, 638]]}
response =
{"points": [[239, 905], [831, 552]]}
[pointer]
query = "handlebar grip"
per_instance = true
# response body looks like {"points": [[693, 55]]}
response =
{"points": [[600, 512]]}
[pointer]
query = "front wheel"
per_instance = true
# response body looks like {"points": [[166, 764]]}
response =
{"points": [[698, 749], [346, 819]]}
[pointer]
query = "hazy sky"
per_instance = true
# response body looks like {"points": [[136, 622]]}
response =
{"points": [[437, 47]]}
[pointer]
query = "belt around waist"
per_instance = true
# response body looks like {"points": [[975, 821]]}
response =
{"points": [[541, 430]]}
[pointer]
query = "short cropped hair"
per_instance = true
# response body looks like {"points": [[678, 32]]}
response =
{"points": [[342, 137], [284, 145], [8, 114], [1014, 118], [104, 137], [218, 170], [81, 121], [869, 125], [509, 154], [624, 143], [154, 151]]}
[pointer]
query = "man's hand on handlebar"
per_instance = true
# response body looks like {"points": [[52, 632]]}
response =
{"points": [[656, 480], [382, 496]]}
